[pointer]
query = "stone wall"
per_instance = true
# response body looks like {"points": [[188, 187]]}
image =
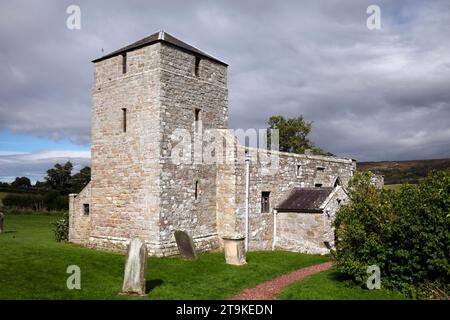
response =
{"points": [[79, 222], [313, 170], [182, 92], [301, 232], [125, 165]]}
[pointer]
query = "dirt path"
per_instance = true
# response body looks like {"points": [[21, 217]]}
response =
{"points": [[268, 290]]}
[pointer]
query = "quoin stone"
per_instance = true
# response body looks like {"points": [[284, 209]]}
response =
{"points": [[143, 94], [135, 268], [234, 249], [185, 245]]}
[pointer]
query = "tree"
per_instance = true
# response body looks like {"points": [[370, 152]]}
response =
{"points": [[22, 182], [403, 232], [293, 135], [80, 179], [59, 177]]}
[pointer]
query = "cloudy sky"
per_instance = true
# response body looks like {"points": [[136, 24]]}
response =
{"points": [[371, 94]]}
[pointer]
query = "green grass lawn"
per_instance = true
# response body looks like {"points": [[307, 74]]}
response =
{"points": [[33, 266], [330, 285]]}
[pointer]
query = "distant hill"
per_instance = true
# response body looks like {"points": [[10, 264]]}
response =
{"points": [[396, 172]]}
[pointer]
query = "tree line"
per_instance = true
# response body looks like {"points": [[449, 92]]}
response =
{"points": [[50, 194]]}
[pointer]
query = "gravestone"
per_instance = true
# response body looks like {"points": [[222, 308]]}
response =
{"points": [[185, 245], [234, 249], [135, 268], [2, 221]]}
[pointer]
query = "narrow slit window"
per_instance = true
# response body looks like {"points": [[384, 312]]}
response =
{"points": [[318, 185], [265, 201], [124, 119], [197, 67], [298, 170], [196, 190], [86, 209], [197, 118], [320, 168], [124, 63]]}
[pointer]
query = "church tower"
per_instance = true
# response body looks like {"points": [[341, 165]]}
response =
{"points": [[142, 94]]}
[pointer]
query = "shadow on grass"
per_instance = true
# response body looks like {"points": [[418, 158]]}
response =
{"points": [[152, 284]]}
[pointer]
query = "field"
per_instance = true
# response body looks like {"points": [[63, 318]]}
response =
{"points": [[401, 172], [33, 266]]}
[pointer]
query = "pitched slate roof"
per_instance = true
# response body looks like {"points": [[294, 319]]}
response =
{"points": [[305, 200], [160, 37]]}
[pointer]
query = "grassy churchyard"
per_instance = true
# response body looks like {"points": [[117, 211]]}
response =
{"points": [[33, 266]]}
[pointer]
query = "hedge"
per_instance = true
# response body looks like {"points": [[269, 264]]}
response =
{"points": [[49, 201]]}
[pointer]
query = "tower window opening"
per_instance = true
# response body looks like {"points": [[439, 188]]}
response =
{"points": [[197, 67], [124, 63], [196, 190], [124, 119], [197, 119], [86, 209]]}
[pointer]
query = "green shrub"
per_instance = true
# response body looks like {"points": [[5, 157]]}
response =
{"points": [[405, 233], [62, 229]]}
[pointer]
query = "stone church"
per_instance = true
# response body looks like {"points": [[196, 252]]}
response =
{"points": [[142, 94]]}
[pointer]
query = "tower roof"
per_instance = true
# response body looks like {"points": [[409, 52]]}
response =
{"points": [[161, 36]]}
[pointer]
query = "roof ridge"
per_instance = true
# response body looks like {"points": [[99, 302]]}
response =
{"points": [[160, 36]]}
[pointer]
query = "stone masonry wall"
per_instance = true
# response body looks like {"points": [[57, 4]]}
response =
{"points": [[313, 170], [79, 223], [182, 92], [125, 165]]}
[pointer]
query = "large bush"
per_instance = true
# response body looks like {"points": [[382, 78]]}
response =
{"points": [[406, 233]]}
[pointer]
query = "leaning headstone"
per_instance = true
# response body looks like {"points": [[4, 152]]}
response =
{"points": [[135, 268], [234, 249], [2, 221], [185, 245]]}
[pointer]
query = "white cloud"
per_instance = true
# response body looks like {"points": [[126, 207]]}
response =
{"points": [[34, 165]]}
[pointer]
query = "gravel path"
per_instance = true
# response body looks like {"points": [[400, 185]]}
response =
{"points": [[268, 290]]}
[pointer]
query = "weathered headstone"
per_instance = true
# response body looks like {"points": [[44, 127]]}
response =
{"points": [[135, 268], [2, 221], [185, 245], [234, 249]]}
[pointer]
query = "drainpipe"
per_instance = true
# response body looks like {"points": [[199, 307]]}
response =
{"points": [[274, 240], [247, 192]]}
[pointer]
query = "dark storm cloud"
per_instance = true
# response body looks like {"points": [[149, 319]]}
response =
{"points": [[372, 95]]}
